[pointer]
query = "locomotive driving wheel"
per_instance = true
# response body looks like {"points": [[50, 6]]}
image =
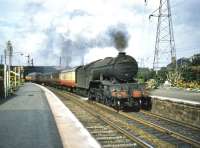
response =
{"points": [[107, 101], [146, 103], [101, 98], [97, 96], [136, 105], [116, 104], [91, 95]]}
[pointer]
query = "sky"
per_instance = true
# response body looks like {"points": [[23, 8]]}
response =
{"points": [[79, 30]]}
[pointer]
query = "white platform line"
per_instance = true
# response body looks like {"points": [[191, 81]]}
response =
{"points": [[72, 132], [176, 100]]}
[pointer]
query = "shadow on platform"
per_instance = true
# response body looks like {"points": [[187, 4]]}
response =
{"points": [[3, 100]]}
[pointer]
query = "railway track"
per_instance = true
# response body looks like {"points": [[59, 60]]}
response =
{"points": [[108, 134], [190, 132], [142, 126], [184, 132]]}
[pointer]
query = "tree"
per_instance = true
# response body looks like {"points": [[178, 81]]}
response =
{"points": [[162, 75], [196, 60], [145, 74]]}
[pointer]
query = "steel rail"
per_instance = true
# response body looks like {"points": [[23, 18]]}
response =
{"points": [[110, 123], [157, 127], [171, 120], [155, 115], [130, 136]]}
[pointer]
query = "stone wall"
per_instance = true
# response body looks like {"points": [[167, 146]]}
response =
{"points": [[180, 111]]}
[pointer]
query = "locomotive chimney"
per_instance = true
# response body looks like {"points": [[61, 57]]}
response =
{"points": [[121, 54]]}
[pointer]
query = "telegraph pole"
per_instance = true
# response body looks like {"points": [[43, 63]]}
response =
{"points": [[165, 51], [1, 59], [60, 61], [28, 59], [32, 62], [82, 60]]}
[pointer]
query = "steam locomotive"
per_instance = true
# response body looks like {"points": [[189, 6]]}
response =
{"points": [[109, 81]]}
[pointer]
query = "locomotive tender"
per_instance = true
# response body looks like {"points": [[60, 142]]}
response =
{"points": [[109, 81]]}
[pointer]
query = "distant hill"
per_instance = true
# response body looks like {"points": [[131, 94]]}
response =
{"points": [[183, 62]]}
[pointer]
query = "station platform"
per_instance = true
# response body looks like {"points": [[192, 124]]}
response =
{"points": [[35, 118], [176, 95]]}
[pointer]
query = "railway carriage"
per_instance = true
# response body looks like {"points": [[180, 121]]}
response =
{"points": [[55, 80], [51, 79], [67, 78], [33, 77]]}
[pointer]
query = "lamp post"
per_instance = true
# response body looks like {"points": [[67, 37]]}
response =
{"points": [[17, 71], [5, 76], [5, 79], [7, 72]]}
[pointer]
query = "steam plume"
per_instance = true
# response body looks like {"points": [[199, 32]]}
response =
{"points": [[119, 37]]}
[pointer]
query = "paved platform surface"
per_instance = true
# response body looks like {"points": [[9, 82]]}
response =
{"points": [[72, 132], [176, 93], [27, 122]]}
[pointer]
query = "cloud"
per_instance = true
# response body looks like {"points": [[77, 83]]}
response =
{"points": [[74, 29], [190, 14], [34, 7]]}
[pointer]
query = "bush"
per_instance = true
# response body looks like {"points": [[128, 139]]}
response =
{"points": [[192, 85], [174, 77], [140, 81], [151, 84], [179, 82]]}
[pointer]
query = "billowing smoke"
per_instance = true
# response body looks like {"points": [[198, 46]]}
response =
{"points": [[74, 50], [120, 40], [119, 36]]}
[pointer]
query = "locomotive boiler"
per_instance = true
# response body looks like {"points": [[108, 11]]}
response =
{"points": [[123, 68]]}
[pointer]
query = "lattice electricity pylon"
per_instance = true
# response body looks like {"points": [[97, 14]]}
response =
{"points": [[165, 51]]}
